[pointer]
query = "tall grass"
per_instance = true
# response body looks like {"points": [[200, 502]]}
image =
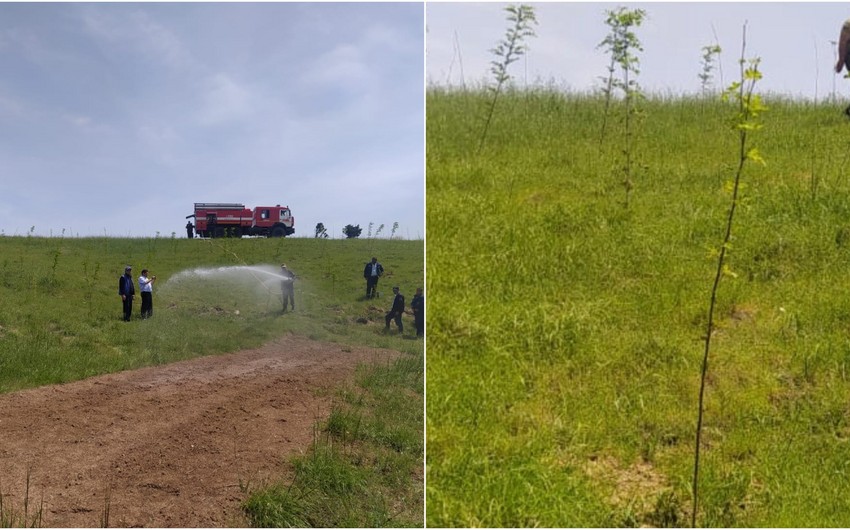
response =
{"points": [[564, 338]]}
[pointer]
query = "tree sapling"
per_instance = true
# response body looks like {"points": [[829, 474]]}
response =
{"points": [[509, 50], [750, 108]]}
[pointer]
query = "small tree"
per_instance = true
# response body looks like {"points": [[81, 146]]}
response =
{"points": [[352, 231], [321, 231], [747, 120], [709, 53], [621, 43], [509, 50], [393, 231]]}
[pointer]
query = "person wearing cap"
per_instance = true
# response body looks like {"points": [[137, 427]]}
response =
{"points": [[396, 311], [126, 290], [146, 288], [287, 286], [372, 272]]}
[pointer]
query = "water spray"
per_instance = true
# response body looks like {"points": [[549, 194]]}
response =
{"points": [[265, 277]]}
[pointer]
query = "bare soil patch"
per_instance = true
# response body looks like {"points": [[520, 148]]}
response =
{"points": [[170, 446]]}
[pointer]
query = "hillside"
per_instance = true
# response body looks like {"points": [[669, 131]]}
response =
{"points": [[220, 410], [565, 339], [60, 319]]}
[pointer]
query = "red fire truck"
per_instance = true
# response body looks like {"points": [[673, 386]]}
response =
{"points": [[224, 219]]}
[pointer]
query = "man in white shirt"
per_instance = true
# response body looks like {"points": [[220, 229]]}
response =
{"points": [[146, 288]]}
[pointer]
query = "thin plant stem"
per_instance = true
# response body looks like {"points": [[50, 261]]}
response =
{"points": [[745, 92], [509, 51]]}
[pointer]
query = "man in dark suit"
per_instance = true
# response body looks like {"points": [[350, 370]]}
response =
{"points": [[126, 290], [396, 311], [372, 272]]}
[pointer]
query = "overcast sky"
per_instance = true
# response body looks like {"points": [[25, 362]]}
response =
{"points": [[116, 118], [793, 40]]}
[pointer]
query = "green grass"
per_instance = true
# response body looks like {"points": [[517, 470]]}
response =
{"points": [[60, 321], [362, 469], [565, 334]]}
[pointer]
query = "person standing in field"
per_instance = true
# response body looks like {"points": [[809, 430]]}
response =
{"points": [[396, 311], [146, 288], [844, 53], [126, 290], [417, 304], [287, 287], [372, 272]]}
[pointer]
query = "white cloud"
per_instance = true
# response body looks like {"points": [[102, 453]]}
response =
{"points": [[139, 32], [157, 135], [10, 106], [85, 124], [159, 42], [343, 64], [224, 100]]}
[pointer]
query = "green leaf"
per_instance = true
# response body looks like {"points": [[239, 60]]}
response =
{"points": [[754, 155]]}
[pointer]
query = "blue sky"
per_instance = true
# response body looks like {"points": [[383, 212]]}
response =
{"points": [[116, 117], [793, 40]]}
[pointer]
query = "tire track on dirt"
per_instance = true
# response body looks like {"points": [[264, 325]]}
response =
{"points": [[170, 446]]}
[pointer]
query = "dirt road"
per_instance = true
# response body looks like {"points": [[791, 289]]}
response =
{"points": [[169, 446]]}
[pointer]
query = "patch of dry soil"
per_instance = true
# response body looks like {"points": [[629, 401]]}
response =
{"points": [[169, 446]]}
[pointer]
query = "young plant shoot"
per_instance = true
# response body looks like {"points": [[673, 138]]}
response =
{"points": [[750, 107], [621, 43], [509, 50]]}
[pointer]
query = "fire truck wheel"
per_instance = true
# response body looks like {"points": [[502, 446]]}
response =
{"points": [[278, 231]]}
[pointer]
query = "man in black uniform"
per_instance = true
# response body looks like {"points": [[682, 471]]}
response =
{"points": [[396, 311], [418, 307], [287, 286]]}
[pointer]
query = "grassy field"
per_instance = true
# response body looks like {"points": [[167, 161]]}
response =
{"points": [[365, 466], [565, 336], [60, 321]]}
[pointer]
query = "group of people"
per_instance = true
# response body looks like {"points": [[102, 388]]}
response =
{"points": [[127, 292], [372, 272]]}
